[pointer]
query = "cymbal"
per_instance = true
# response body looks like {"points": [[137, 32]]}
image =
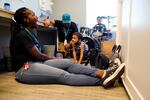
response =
{"points": [[108, 17]]}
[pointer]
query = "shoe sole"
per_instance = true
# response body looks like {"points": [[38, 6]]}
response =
{"points": [[117, 74]]}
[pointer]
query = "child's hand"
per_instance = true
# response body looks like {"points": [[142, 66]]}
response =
{"points": [[75, 61], [72, 42], [79, 63], [67, 46]]}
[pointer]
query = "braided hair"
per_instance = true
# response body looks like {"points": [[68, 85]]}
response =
{"points": [[19, 20], [20, 16]]}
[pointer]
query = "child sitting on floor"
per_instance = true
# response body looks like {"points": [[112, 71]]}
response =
{"points": [[78, 48]]}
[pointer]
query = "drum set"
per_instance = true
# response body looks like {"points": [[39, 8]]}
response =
{"points": [[94, 40], [93, 37]]}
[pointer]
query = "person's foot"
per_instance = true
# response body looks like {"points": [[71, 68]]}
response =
{"points": [[112, 74]]}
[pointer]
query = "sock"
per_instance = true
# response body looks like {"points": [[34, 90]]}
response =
{"points": [[104, 74]]}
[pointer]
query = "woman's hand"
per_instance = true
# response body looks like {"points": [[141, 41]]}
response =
{"points": [[36, 53], [48, 22]]}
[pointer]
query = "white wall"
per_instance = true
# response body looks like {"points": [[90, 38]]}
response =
{"points": [[135, 39], [77, 9]]}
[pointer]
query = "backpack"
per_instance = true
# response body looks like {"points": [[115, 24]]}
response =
{"points": [[115, 53], [103, 62]]}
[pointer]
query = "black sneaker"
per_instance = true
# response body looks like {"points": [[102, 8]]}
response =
{"points": [[112, 74]]}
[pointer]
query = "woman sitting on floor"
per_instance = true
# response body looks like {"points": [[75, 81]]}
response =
{"points": [[33, 66]]}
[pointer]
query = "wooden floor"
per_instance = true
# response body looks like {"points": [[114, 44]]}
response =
{"points": [[12, 90]]}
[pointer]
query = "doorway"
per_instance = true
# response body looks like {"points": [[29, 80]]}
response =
{"points": [[105, 8]]}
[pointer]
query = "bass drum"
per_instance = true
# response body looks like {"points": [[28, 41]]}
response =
{"points": [[93, 51], [92, 43]]}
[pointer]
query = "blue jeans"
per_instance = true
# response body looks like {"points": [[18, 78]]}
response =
{"points": [[59, 71]]}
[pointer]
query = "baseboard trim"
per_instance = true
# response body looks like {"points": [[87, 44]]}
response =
{"points": [[131, 89]]}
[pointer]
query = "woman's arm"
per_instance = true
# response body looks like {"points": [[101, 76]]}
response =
{"points": [[48, 22], [35, 52], [81, 53]]}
